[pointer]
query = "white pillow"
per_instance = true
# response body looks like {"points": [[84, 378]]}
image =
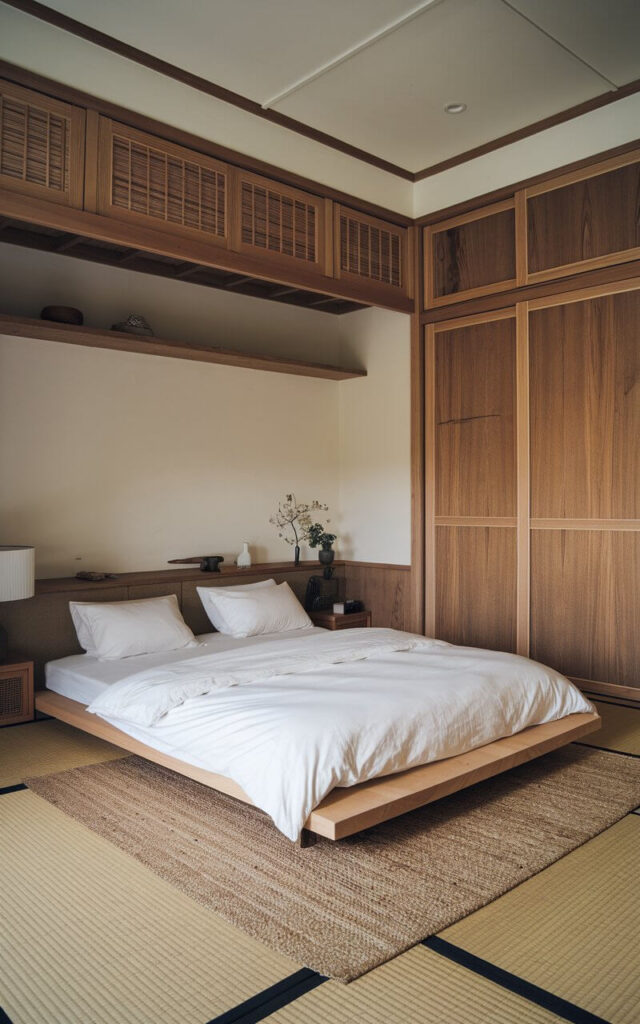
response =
{"points": [[271, 610], [210, 603], [121, 629]]}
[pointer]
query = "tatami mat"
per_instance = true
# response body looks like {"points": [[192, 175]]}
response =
{"points": [[40, 748], [574, 929], [620, 729], [418, 987], [90, 936]]}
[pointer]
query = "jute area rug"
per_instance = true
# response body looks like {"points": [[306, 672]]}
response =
{"points": [[343, 908]]}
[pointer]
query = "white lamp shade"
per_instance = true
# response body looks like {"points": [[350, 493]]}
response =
{"points": [[17, 572]]}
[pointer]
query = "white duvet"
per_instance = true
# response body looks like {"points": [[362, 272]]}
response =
{"points": [[291, 719]]}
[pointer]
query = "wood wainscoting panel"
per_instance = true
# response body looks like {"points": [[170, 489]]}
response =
{"points": [[384, 589], [585, 603], [475, 413], [585, 219], [471, 255], [585, 408], [476, 586]]}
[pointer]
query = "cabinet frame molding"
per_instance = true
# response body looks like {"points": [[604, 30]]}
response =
{"points": [[430, 232], [594, 170]]}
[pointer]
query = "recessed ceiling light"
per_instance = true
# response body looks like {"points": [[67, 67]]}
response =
{"points": [[455, 108]]}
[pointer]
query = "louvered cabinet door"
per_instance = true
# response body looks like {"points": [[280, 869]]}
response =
{"points": [[371, 252], [146, 180], [41, 146], [281, 225]]}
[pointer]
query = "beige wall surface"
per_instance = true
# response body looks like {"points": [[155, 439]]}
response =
{"points": [[119, 461], [375, 449]]}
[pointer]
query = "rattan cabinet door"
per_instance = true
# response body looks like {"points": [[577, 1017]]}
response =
{"points": [[281, 225], [371, 252], [41, 146], [147, 180]]}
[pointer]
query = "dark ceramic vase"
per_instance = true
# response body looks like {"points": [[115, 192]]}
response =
{"points": [[296, 555], [326, 556]]}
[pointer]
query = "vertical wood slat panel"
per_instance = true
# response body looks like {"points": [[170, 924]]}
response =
{"points": [[154, 182], [372, 251], [41, 146], [282, 224], [430, 480]]}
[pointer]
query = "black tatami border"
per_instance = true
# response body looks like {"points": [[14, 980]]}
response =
{"points": [[4, 1018], [271, 999], [12, 789], [607, 750], [533, 993]]}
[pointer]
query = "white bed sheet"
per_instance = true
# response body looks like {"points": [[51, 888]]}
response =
{"points": [[288, 740], [83, 678]]}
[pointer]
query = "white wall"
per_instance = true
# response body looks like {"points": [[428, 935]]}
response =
{"points": [[118, 461], [584, 136], [375, 448]]}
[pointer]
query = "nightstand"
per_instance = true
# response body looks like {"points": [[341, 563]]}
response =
{"points": [[332, 620], [16, 692]]}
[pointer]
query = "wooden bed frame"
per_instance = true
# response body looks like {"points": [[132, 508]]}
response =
{"points": [[346, 811]]}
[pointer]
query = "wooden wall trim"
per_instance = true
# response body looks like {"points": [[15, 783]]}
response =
{"points": [[141, 122], [607, 689], [430, 479], [417, 441], [619, 272], [523, 480]]}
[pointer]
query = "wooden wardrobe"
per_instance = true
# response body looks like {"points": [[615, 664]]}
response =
{"points": [[532, 426]]}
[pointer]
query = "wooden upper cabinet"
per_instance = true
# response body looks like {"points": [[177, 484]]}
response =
{"points": [[471, 255], [584, 220], [147, 180], [372, 252], [281, 225], [41, 146]]}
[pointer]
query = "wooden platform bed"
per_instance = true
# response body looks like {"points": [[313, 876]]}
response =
{"points": [[345, 812]]}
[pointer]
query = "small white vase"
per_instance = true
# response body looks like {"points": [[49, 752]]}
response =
{"points": [[243, 561]]}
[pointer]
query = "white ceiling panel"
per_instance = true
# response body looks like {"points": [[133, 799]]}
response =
{"points": [[605, 33], [255, 47], [388, 99]]}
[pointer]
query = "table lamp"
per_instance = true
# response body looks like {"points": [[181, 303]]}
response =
{"points": [[17, 574]]}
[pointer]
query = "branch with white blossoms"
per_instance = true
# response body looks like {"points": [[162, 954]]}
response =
{"points": [[295, 515]]}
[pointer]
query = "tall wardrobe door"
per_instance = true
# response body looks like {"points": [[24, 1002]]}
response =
{"points": [[585, 484], [471, 480]]}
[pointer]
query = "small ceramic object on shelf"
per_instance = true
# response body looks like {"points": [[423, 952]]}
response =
{"points": [[134, 324], [243, 561], [62, 315]]}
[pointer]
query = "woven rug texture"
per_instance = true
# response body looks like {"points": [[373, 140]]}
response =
{"points": [[343, 908]]}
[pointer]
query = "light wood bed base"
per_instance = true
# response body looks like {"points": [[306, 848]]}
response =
{"points": [[346, 811]]}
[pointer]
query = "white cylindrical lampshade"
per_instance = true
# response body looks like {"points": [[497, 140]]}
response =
{"points": [[17, 572]]}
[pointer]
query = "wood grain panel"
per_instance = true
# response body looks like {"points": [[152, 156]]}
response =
{"points": [[585, 603], [476, 582], [474, 254], [475, 397], [592, 218], [385, 591], [585, 409]]}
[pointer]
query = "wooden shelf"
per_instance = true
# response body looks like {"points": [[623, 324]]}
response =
{"points": [[91, 337]]}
